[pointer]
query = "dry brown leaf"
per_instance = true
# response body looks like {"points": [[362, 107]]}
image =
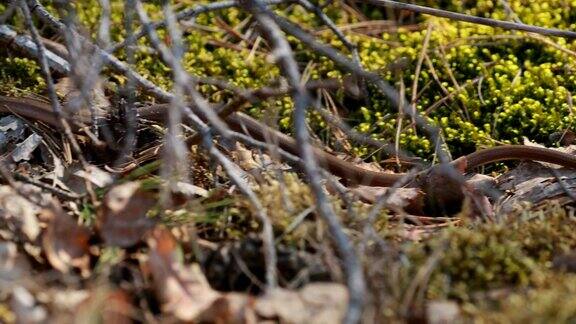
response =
{"points": [[76, 176], [23, 150], [19, 212], [109, 306], [74, 103], [122, 219], [443, 311], [65, 242], [410, 200], [314, 303], [12, 129], [282, 304], [184, 291], [230, 308], [26, 308], [117, 308]]}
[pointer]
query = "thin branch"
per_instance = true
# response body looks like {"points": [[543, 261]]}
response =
{"points": [[471, 19], [190, 14], [348, 65], [26, 46], [285, 59], [44, 68], [44, 15], [182, 79]]}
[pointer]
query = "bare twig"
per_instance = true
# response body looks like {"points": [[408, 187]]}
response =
{"points": [[26, 46], [285, 59], [58, 192], [52, 92], [44, 15], [471, 19], [192, 13], [130, 87], [182, 80], [9, 12], [350, 66]]}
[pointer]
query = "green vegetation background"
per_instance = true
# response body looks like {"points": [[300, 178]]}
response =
{"points": [[501, 85]]}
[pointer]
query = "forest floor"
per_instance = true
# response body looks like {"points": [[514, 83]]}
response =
{"points": [[228, 162]]}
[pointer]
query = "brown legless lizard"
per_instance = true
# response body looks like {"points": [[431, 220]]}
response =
{"points": [[40, 111]]}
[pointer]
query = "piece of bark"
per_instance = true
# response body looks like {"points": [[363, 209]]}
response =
{"points": [[533, 184]]}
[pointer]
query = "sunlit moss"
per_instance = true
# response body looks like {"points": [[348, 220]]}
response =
{"points": [[495, 85], [475, 259], [552, 302], [20, 76], [515, 254]]}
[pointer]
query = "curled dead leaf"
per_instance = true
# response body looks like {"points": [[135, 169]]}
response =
{"points": [[314, 303], [410, 200], [19, 212], [184, 291], [65, 242], [230, 308], [109, 306], [76, 176], [24, 150], [11, 129], [122, 219]]}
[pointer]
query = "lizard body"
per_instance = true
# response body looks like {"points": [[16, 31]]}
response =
{"points": [[40, 111]]}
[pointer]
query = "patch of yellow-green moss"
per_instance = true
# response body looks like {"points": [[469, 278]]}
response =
{"points": [[496, 86], [20, 76], [492, 255], [290, 205], [473, 262], [283, 199], [286, 202], [505, 85], [552, 302]]}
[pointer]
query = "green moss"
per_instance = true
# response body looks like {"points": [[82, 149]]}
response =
{"points": [[546, 234], [502, 85], [284, 201], [20, 76], [554, 302], [474, 260], [480, 85]]}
